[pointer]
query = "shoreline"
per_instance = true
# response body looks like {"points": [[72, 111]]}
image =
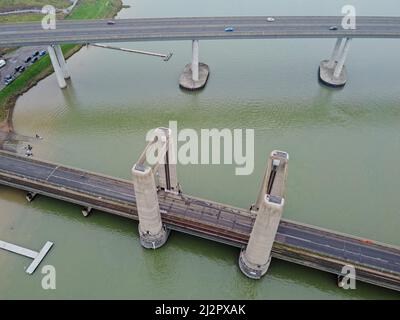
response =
{"points": [[6, 125], [9, 101]]}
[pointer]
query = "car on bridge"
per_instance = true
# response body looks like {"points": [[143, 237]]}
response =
{"points": [[270, 19], [229, 29], [333, 28]]}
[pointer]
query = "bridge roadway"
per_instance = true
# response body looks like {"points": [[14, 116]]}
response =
{"points": [[326, 250], [198, 28]]}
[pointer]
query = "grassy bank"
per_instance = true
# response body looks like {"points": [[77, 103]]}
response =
{"points": [[26, 17], [86, 9], [9, 5]]}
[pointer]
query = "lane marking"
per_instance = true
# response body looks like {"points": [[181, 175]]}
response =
{"points": [[30, 162], [94, 186], [51, 173]]}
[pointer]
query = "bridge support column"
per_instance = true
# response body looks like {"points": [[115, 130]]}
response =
{"points": [[332, 72], [195, 74], [151, 230], [195, 60], [255, 259], [154, 171], [59, 67], [335, 53], [30, 196], [62, 62], [87, 211]]}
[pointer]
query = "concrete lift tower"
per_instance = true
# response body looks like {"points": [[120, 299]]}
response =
{"points": [[155, 170], [254, 260]]}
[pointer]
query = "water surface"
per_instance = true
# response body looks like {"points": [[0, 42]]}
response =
{"points": [[344, 150]]}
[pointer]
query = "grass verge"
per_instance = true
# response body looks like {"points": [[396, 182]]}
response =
{"points": [[9, 5]]}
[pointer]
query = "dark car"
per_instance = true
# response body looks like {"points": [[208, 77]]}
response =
{"points": [[35, 54], [17, 69], [110, 22], [42, 53], [7, 82], [28, 59], [22, 69], [333, 28], [34, 59]]}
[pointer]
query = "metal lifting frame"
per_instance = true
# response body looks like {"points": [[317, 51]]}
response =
{"points": [[274, 181], [165, 165]]}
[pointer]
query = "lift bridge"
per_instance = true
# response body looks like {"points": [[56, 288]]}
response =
{"points": [[156, 200]]}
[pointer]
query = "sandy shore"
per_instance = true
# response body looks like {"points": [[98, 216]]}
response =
{"points": [[6, 125]]}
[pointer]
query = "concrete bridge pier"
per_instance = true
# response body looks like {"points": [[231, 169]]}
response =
{"points": [[195, 74], [30, 196], [59, 65], [153, 234], [62, 62], [333, 72], [87, 211], [255, 259], [155, 170]]}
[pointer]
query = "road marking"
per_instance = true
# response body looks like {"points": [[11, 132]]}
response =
{"points": [[47, 179], [25, 161], [294, 237], [94, 186], [374, 258]]}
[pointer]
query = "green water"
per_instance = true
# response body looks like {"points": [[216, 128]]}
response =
{"points": [[344, 150]]}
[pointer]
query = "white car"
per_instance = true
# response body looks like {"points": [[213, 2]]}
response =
{"points": [[270, 19], [2, 63]]}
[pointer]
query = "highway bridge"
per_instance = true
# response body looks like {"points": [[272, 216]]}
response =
{"points": [[194, 28], [310, 246], [201, 28]]}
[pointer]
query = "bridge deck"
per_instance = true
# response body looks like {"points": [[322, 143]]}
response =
{"points": [[157, 29], [318, 248]]}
